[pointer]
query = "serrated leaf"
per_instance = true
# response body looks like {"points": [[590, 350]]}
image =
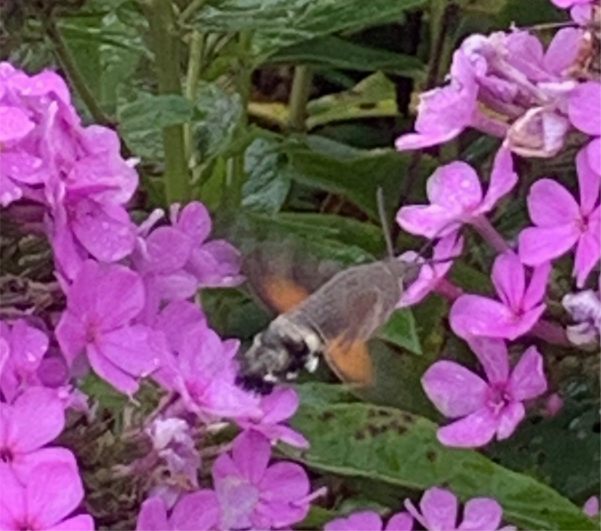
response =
{"points": [[401, 449], [335, 52], [279, 23]]}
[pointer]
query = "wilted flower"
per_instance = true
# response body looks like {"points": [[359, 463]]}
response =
{"points": [[45, 501], [561, 223], [456, 198], [585, 309], [36, 418], [102, 304], [276, 407], [485, 409], [24, 347], [520, 307], [370, 521], [253, 494], [439, 508], [198, 511]]}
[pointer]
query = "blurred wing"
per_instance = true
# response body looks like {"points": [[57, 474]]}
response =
{"points": [[282, 294], [351, 361]]}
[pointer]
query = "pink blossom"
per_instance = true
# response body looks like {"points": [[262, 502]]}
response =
{"points": [[438, 511], [518, 310], [198, 511], [276, 407], [43, 502], [581, 11], [484, 408], [35, 418], [370, 521], [118, 350], [24, 348], [561, 223], [253, 494], [456, 197], [431, 274], [203, 372], [591, 507], [584, 110]]}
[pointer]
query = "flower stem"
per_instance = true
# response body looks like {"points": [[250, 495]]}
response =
{"points": [[490, 234], [165, 44], [69, 65], [551, 333], [299, 96], [448, 290], [192, 76]]}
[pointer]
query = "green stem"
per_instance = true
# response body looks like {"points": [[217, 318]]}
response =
{"points": [[193, 6], [192, 77], [299, 97], [166, 47], [69, 65]]}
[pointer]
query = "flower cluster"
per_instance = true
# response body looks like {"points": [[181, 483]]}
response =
{"points": [[438, 510], [509, 86], [129, 315]]}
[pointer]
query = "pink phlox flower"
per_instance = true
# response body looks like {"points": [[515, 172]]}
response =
{"points": [[484, 408], [276, 407], [102, 304], [198, 511], [438, 511], [252, 493], [430, 274], [44, 502], [581, 11], [203, 371], [175, 447], [455, 196], [561, 223], [214, 263], [584, 111], [35, 418], [370, 521], [584, 308], [518, 310], [22, 348], [591, 507]]}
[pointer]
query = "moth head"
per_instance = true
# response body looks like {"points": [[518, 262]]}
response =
{"points": [[278, 354]]}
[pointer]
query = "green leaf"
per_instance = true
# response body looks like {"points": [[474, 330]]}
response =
{"points": [[279, 23], [335, 52], [268, 176], [374, 96], [141, 121], [401, 449], [401, 330]]}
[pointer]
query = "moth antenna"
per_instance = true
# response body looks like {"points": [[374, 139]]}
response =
{"points": [[384, 222]]}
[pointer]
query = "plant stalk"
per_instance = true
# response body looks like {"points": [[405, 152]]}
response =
{"points": [[299, 97], [166, 46]]}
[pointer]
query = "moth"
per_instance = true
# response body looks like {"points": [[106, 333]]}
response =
{"points": [[335, 322]]}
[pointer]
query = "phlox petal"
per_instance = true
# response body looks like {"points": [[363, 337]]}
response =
{"points": [[584, 107], [166, 250], [359, 520], [37, 418], [537, 287], [279, 405], [528, 379], [54, 494], [502, 180], [588, 251], [509, 278], [439, 508], [589, 182], [472, 431], [153, 516], [509, 419], [71, 336], [431, 221], [563, 50], [540, 245], [423, 140], [24, 465], [400, 522], [83, 522], [492, 354], [550, 204], [454, 390], [14, 124], [593, 154], [481, 513], [198, 511], [194, 221], [216, 264], [13, 505], [251, 453], [455, 187], [112, 374]]}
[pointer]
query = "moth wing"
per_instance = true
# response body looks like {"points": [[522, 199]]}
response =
{"points": [[350, 361]]}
